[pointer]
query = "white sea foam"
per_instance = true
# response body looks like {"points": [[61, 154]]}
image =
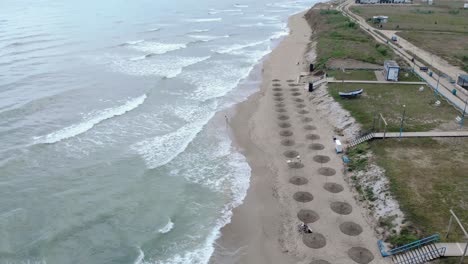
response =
{"points": [[76, 129], [199, 30], [167, 228], [161, 150], [217, 11], [240, 6], [138, 58], [154, 29], [202, 20], [236, 47], [140, 258], [206, 38], [239, 178], [168, 66], [134, 42], [157, 48]]}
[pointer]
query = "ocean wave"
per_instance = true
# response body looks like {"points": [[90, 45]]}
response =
{"points": [[133, 42], [138, 58], [163, 149], [238, 176], [77, 129], [168, 66], [202, 20], [217, 11], [205, 38], [218, 80], [236, 47], [240, 6], [154, 29], [140, 258], [157, 48], [199, 30], [168, 227]]}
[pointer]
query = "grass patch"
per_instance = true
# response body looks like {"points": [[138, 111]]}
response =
{"points": [[389, 99], [432, 28], [340, 38], [456, 55], [445, 16], [408, 76], [428, 177], [352, 75], [358, 159]]}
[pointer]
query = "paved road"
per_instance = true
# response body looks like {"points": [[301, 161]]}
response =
{"points": [[422, 134], [443, 87]]}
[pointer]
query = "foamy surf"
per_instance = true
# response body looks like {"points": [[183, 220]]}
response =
{"points": [[206, 38], [134, 42], [80, 128], [157, 48], [239, 177], [140, 258], [202, 20], [163, 149], [167, 228], [166, 66]]}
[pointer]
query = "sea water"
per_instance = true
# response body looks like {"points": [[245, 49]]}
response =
{"points": [[108, 148]]}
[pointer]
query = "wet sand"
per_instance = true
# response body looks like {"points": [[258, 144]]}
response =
{"points": [[276, 125]]}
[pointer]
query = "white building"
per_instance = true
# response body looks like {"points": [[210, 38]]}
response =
{"points": [[391, 70]]}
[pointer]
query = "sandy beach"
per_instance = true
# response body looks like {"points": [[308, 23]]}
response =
{"points": [[273, 126]]}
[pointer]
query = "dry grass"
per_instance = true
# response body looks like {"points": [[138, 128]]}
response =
{"points": [[339, 38], [441, 28], [442, 16], [428, 178], [388, 99]]}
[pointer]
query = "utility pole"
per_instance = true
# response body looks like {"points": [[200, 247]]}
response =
{"points": [[402, 120]]}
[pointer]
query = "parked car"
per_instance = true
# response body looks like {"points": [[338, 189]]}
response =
{"points": [[394, 38], [424, 68]]}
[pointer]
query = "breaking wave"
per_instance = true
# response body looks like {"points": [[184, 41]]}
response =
{"points": [[77, 129]]}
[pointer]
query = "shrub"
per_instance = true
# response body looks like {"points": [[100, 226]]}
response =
{"points": [[403, 238], [351, 24], [329, 12]]}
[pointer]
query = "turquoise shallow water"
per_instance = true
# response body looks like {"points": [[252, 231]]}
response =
{"points": [[108, 148]]}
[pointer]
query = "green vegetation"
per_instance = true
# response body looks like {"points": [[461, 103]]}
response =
{"points": [[358, 157], [405, 237], [340, 38], [428, 177], [441, 28], [352, 75], [439, 42], [408, 76], [443, 16], [388, 99]]}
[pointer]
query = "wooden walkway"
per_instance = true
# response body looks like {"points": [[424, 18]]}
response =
{"points": [[422, 134], [453, 249]]}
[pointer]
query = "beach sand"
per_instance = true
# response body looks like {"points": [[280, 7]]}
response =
{"points": [[264, 228]]}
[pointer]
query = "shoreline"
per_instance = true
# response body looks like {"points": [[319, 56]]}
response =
{"points": [[251, 220], [263, 229]]}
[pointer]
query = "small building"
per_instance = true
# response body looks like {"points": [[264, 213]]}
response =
{"points": [[391, 70], [380, 19], [463, 80], [465, 5]]}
